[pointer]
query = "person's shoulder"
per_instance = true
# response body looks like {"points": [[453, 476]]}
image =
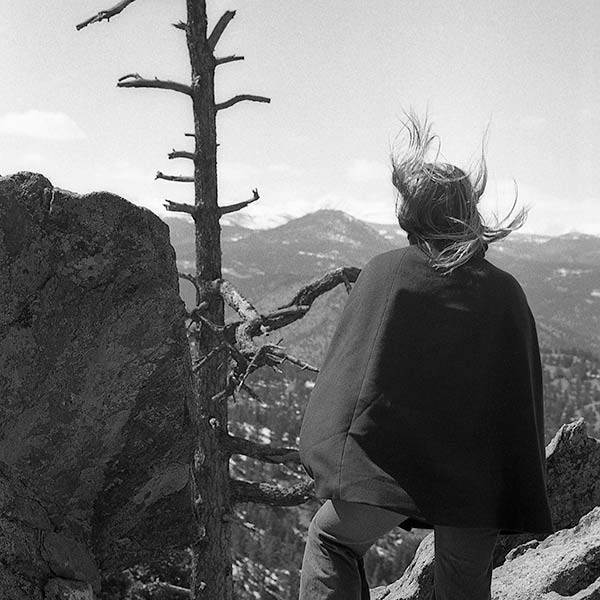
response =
{"points": [[506, 282], [389, 259]]}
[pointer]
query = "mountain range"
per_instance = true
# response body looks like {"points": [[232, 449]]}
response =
{"points": [[560, 275]]}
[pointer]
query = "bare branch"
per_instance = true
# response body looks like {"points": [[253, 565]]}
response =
{"points": [[181, 154], [134, 80], [227, 334], [244, 334], [180, 207], [310, 292], [249, 356], [241, 98], [106, 14], [217, 32], [182, 178], [296, 308], [244, 308], [284, 316], [227, 59], [273, 495], [275, 351], [180, 25], [255, 361], [266, 453], [189, 134], [223, 210]]}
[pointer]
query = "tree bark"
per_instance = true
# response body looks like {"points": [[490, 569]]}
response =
{"points": [[211, 547]]}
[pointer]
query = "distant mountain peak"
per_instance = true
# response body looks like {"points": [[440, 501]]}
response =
{"points": [[272, 221], [576, 235]]}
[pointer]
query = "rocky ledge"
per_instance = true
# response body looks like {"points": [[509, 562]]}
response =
{"points": [[565, 565]]}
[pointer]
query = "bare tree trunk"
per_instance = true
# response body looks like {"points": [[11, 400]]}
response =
{"points": [[211, 547], [233, 355]]}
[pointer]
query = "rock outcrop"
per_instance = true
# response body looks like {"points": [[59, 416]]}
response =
{"points": [[573, 460], [564, 565], [94, 369], [36, 558]]}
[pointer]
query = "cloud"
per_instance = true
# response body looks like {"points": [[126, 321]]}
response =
{"points": [[42, 125]]}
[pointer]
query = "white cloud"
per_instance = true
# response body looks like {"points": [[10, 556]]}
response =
{"points": [[41, 124]]}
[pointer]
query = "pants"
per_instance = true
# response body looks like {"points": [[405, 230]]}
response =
{"points": [[341, 532]]}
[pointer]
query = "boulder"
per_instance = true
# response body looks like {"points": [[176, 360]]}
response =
{"points": [[564, 565], [95, 369], [573, 482], [573, 461], [33, 552]]}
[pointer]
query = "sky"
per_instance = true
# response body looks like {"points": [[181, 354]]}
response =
{"points": [[340, 75]]}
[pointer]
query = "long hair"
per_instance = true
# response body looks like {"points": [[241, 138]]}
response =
{"points": [[437, 202]]}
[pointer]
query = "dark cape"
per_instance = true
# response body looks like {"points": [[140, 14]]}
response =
{"points": [[429, 401]]}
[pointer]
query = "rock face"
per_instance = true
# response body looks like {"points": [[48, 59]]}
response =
{"points": [[573, 460], [94, 368], [34, 555], [564, 565]]}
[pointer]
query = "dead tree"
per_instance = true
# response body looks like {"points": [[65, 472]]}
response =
{"points": [[223, 354]]}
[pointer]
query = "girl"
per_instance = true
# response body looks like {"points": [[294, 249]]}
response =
{"points": [[428, 408]]}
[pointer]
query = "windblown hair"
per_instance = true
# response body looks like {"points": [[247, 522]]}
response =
{"points": [[437, 202]]}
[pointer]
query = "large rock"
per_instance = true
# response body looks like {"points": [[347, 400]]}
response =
{"points": [[34, 555], [573, 460], [573, 483], [95, 369], [564, 565]]}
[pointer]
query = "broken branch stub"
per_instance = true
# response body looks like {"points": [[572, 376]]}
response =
{"points": [[180, 178], [180, 207], [181, 154], [227, 59], [310, 292], [219, 28], [106, 15], [241, 98], [223, 210], [135, 80]]}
